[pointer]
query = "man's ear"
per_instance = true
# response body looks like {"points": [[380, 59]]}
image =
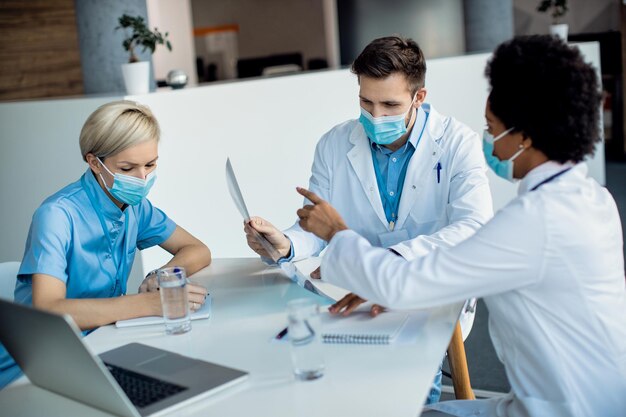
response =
{"points": [[420, 97]]}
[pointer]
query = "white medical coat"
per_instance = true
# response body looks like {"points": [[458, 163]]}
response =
{"points": [[433, 212], [551, 270]]}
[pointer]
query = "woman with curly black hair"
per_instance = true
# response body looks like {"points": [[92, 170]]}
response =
{"points": [[549, 265]]}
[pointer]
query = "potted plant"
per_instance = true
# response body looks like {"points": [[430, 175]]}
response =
{"points": [[557, 9], [136, 73]]}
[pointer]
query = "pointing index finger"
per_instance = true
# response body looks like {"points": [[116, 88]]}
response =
{"points": [[310, 195]]}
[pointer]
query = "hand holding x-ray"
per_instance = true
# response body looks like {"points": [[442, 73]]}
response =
{"points": [[235, 193]]}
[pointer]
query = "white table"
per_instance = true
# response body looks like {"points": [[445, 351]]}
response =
{"points": [[249, 300]]}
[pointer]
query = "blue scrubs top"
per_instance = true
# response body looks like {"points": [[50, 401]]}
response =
{"points": [[67, 241]]}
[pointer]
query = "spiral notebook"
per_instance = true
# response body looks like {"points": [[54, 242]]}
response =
{"points": [[203, 313], [360, 328]]}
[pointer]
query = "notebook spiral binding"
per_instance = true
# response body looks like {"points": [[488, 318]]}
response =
{"points": [[381, 339]]}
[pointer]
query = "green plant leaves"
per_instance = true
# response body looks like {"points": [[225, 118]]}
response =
{"points": [[141, 35]]}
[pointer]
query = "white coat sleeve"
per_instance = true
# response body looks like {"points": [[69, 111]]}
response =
{"points": [[469, 202], [504, 255], [306, 244]]}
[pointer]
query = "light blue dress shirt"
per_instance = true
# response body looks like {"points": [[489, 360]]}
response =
{"points": [[67, 241], [391, 166]]}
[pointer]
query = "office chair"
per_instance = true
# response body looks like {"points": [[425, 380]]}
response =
{"points": [[8, 276], [458, 366]]}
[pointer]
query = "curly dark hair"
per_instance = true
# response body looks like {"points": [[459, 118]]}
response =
{"points": [[544, 89], [385, 56]]}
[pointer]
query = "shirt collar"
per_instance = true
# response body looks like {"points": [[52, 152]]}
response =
{"points": [[99, 197], [414, 137], [541, 173]]}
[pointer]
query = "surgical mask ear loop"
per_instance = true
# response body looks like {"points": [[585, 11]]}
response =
{"points": [[501, 135], [411, 107], [516, 154], [107, 170]]}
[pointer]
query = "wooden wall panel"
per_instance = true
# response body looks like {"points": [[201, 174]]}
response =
{"points": [[39, 55]]}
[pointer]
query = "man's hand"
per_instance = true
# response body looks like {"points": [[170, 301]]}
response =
{"points": [[317, 274], [271, 233], [320, 218], [350, 302]]}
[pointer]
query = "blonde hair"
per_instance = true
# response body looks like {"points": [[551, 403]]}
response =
{"points": [[117, 126]]}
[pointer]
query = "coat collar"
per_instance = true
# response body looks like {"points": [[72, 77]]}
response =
{"points": [[99, 197], [541, 173]]}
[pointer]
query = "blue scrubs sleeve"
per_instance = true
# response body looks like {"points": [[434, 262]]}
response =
{"points": [[154, 225], [48, 243]]}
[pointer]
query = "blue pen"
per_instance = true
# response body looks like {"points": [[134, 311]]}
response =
{"points": [[282, 333], [438, 172]]}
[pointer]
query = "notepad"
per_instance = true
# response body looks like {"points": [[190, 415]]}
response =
{"points": [[203, 313], [361, 328]]}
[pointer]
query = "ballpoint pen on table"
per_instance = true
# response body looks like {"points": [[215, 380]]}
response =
{"points": [[282, 333]]}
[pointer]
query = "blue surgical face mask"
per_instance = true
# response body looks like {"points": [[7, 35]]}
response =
{"points": [[384, 130], [503, 169], [128, 189]]}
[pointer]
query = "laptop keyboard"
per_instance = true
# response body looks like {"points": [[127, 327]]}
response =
{"points": [[142, 390]]}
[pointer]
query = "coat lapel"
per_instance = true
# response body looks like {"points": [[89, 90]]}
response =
{"points": [[424, 160], [360, 157]]}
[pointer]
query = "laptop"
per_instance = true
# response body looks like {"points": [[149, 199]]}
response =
{"points": [[133, 380]]}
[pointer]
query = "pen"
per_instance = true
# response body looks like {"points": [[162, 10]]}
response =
{"points": [[282, 333], [438, 172]]}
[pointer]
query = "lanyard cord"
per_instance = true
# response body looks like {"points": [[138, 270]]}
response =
{"points": [[547, 180]]}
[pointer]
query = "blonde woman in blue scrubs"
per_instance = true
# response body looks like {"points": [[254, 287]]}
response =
{"points": [[82, 239]]}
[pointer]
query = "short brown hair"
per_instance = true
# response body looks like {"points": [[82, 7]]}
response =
{"points": [[385, 56]]}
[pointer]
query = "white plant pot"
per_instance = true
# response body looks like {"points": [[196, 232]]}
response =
{"points": [[137, 77], [559, 30]]}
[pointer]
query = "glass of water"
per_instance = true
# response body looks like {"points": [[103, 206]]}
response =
{"points": [[172, 286], [305, 338]]}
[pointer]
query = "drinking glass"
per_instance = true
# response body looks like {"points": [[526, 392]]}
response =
{"points": [[305, 339], [172, 285]]}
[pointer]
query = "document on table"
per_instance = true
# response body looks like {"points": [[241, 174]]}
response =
{"points": [[400, 327], [302, 275], [203, 313]]}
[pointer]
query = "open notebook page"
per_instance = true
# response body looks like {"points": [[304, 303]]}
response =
{"points": [[203, 313]]}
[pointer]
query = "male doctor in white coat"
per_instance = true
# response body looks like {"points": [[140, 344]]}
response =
{"points": [[403, 176], [549, 265]]}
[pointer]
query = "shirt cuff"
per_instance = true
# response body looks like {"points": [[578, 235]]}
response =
{"points": [[287, 258]]}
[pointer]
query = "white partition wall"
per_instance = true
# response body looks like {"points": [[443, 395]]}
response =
{"points": [[39, 154], [269, 128]]}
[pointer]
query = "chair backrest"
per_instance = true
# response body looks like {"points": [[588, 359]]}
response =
{"points": [[8, 277]]}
